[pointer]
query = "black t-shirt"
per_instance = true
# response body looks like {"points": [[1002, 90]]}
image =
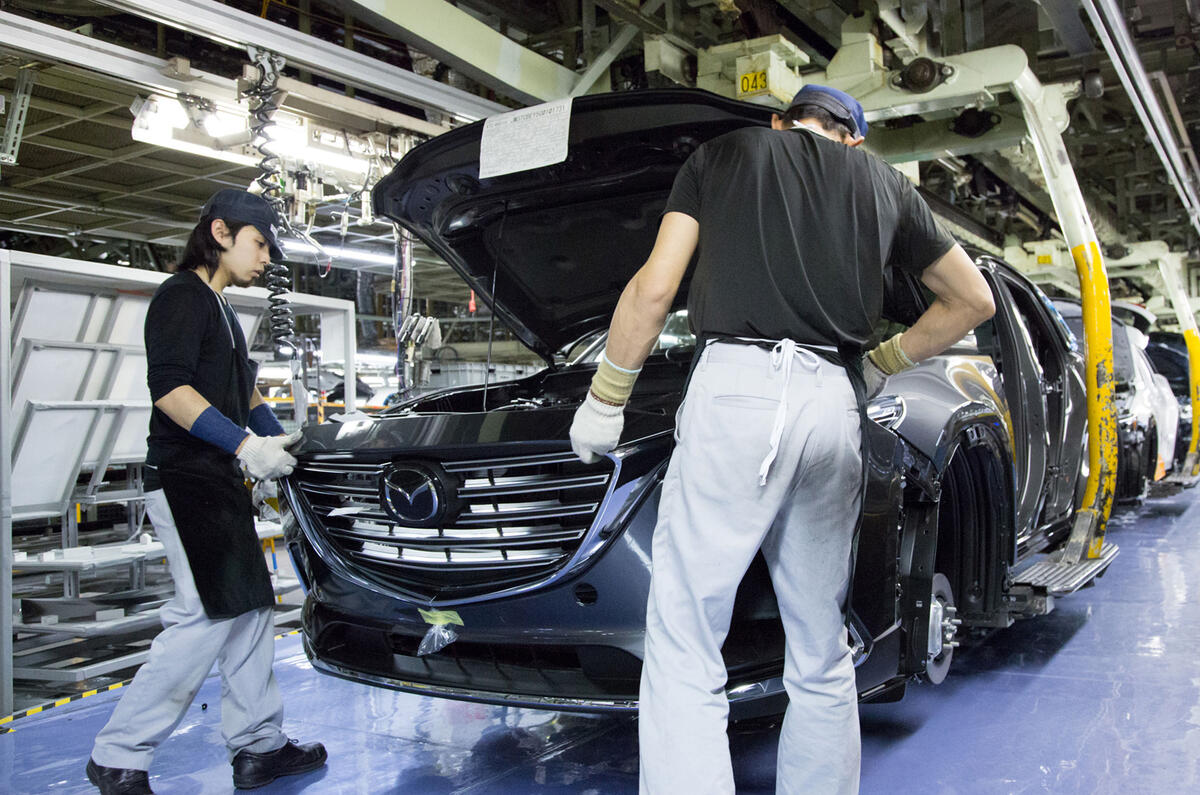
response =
{"points": [[193, 338], [795, 233]]}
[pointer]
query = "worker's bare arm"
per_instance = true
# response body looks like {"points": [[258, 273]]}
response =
{"points": [[646, 300], [962, 300], [183, 405]]}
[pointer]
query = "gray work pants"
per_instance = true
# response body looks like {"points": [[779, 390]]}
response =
{"points": [[714, 515], [180, 659]]}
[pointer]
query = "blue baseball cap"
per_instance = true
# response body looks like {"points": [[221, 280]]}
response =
{"points": [[232, 204], [840, 105]]}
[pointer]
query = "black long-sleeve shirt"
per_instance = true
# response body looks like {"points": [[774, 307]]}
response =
{"points": [[193, 338]]}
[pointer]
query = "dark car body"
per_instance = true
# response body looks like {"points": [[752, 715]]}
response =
{"points": [[466, 506]]}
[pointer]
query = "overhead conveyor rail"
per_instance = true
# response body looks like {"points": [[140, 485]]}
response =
{"points": [[227, 25]]}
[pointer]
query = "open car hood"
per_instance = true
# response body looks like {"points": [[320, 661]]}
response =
{"points": [[561, 241]]}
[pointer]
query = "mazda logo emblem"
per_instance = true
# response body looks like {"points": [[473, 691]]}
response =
{"points": [[411, 495]]}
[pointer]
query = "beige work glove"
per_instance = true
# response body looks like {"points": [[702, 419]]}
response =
{"points": [[880, 362], [873, 376], [266, 457]]}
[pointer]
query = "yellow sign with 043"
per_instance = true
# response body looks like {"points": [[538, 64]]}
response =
{"points": [[752, 83]]}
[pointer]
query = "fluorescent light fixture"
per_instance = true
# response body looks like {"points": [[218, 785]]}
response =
{"points": [[342, 253], [163, 121], [225, 134], [294, 138]]}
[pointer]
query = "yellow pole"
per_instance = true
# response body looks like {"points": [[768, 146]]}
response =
{"points": [[1193, 347], [1102, 419], [1046, 117]]}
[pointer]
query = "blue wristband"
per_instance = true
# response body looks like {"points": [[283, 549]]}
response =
{"points": [[263, 422], [215, 428]]}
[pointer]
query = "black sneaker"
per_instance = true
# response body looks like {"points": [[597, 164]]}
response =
{"points": [[252, 770], [118, 780]]}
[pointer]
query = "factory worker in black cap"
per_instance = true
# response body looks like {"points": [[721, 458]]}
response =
{"points": [[208, 423]]}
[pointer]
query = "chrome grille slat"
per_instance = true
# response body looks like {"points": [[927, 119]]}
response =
{"points": [[524, 485], [338, 468], [499, 564], [396, 532], [340, 489], [509, 463], [361, 511], [526, 515], [514, 520], [489, 537]]}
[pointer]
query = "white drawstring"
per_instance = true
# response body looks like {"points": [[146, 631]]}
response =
{"points": [[781, 359]]}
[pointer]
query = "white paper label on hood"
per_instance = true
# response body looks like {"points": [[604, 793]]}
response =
{"points": [[523, 139]]}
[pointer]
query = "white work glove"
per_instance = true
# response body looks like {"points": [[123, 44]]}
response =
{"points": [[596, 429], [874, 378], [266, 457]]}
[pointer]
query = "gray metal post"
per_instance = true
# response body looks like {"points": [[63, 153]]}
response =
{"points": [[6, 558]]}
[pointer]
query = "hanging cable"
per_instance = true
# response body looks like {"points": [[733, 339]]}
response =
{"points": [[487, 371], [264, 101], [264, 98], [402, 298]]}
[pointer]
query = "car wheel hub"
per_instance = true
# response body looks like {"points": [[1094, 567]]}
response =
{"points": [[943, 629]]}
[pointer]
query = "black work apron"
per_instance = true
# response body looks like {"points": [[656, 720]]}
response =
{"points": [[213, 511]]}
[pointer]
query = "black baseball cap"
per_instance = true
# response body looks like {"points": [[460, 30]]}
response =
{"points": [[232, 204], [840, 105]]}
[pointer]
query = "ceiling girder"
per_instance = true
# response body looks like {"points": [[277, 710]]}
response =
{"points": [[1064, 15], [90, 113], [644, 20], [604, 60], [61, 230], [45, 200], [85, 164], [221, 23], [110, 191], [71, 83], [81, 148], [469, 46]]}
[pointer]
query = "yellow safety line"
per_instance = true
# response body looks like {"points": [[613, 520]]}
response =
{"points": [[60, 702], [86, 694]]}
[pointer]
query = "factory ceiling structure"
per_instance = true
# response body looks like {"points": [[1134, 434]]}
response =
{"points": [[79, 181]]}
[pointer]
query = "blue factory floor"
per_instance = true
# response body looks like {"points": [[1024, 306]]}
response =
{"points": [[1100, 696]]}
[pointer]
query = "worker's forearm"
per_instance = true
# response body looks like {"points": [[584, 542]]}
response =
{"points": [[939, 327], [636, 324], [183, 405]]}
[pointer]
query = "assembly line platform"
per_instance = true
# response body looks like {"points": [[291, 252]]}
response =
{"points": [[1100, 696]]}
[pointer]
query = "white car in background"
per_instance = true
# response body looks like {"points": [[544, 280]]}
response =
{"points": [[1146, 424], [1156, 387], [1162, 402]]}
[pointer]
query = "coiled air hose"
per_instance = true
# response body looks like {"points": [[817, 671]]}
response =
{"points": [[264, 100]]}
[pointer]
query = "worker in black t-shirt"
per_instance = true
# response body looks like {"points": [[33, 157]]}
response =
{"points": [[795, 228], [202, 382]]}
